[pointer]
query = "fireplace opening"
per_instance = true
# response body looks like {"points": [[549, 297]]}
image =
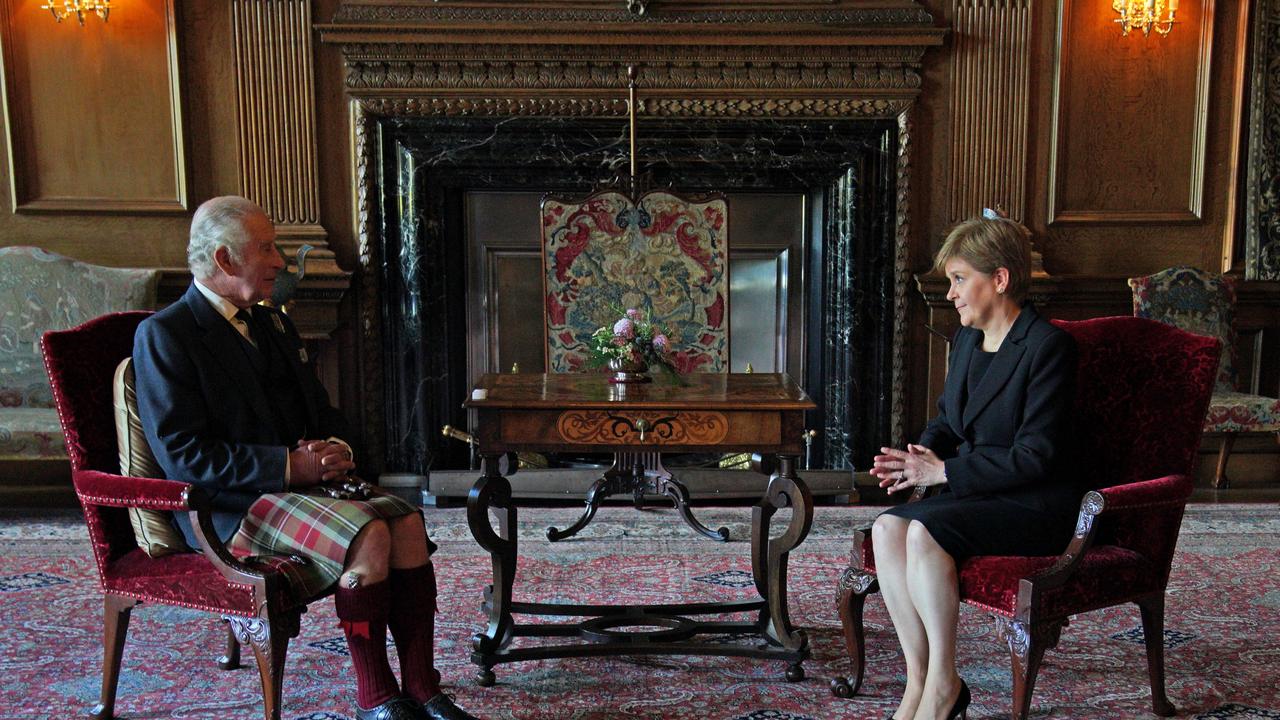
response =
{"points": [[456, 238]]}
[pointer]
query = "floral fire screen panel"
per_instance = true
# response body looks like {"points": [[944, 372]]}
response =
{"points": [[664, 255]]}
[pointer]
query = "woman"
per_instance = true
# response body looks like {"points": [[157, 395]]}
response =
{"points": [[998, 448]]}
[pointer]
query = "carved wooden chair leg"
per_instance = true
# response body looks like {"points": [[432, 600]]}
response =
{"points": [[1153, 631], [231, 659], [1027, 645], [270, 643], [1220, 479], [116, 610], [854, 588]]}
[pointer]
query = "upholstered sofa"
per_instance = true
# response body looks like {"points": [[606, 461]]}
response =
{"points": [[40, 291]]}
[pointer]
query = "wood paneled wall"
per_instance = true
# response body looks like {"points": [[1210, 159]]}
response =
{"points": [[73, 147], [1121, 154], [1135, 139], [114, 86], [991, 88], [1129, 119]]}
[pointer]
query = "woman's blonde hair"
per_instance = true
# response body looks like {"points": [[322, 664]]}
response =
{"points": [[990, 244]]}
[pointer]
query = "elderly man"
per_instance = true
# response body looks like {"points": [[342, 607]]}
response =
{"points": [[229, 403]]}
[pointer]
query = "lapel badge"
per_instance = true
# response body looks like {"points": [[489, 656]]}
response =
{"points": [[302, 355]]}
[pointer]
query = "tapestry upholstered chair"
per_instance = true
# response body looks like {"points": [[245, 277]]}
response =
{"points": [[262, 598], [1143, 388], [1204, 303], [667, 257]]}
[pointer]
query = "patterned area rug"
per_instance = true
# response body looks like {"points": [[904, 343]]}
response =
{"points": [[1221, 639]]}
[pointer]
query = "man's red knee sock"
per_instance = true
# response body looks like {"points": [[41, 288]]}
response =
{"points": [[362, 615], [412, 623]]}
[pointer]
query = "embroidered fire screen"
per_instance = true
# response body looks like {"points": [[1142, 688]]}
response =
{"points": [[664, 254]]}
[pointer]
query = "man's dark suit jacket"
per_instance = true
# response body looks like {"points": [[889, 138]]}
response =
{"points": [[204, 409], [1015, 436]]}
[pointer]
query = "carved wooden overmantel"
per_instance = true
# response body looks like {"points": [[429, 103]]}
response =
{"points": [[801, 59]]}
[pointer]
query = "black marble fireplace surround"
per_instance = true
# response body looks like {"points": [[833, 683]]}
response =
{"points": [[846, 169]]}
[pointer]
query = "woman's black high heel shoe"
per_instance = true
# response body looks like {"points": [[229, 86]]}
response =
{"points": [[959, 711]]}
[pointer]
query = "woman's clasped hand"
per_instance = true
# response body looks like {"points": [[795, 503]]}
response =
{"points": [[917, 466]]}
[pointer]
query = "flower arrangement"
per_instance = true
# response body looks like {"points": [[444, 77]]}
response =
{"points": [[633, 343]]}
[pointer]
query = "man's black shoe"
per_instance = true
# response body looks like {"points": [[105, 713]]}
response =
{"points": [[441, 707], [400, 708]]}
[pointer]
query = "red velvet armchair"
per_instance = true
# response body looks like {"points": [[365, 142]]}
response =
{"points": [[1141, 397], [254, 595]]}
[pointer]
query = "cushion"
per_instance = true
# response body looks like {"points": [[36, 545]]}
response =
{"points": [[152, 529], [30, 433], [1242, 412], [1107, 575]]}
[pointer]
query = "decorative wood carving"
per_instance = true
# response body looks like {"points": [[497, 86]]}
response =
{"points": [[871, 73], [1262, 216], [370, 330], [659, 107], [275, 93], [1129, 124], [990, 99], [61, 163], [792, 58], [248, 630], [514, 12], [901, 276], [854, 580], [659, 428], [275, 96], [1020, 637]]}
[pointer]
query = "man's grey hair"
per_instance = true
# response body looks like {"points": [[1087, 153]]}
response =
{"points": [[218, 222]]}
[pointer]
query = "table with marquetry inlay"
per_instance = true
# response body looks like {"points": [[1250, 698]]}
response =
{"points": [[758, 413]]}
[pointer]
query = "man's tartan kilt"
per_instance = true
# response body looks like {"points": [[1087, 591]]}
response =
{"points": [[319, 528]]}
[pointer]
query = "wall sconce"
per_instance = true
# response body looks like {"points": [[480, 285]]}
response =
{"points": [[78, 8], [1146, 15]]}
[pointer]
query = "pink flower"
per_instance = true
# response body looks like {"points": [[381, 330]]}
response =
{"points": [[624, 328], [660, 341], [633, 313]]}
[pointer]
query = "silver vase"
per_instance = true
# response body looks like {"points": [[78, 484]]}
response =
{"points": [[629, 371]]}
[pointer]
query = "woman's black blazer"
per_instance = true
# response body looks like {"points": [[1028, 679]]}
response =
{"points": [[1014, 436]]}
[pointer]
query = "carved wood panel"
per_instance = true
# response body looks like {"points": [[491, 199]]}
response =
{"points": [[1129, 118], [275, 95], [93, 113], [990, 102], [1262, 216]]}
